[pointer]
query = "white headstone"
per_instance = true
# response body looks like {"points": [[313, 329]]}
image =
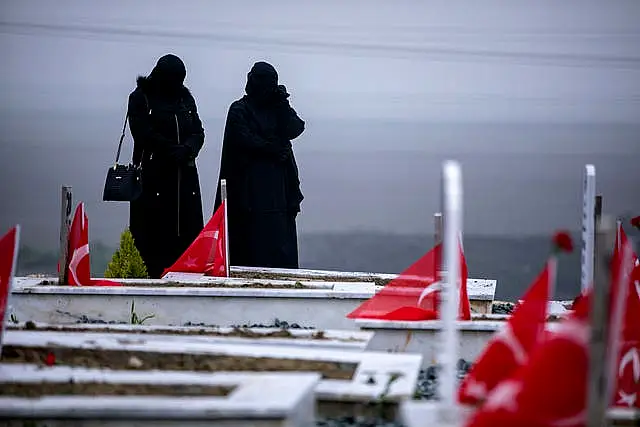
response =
{"points": [[588, 225]]}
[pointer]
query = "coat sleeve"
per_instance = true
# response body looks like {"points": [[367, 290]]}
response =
{"points": [[243, 137], [195, 141], [143, 134], [292, 124]]}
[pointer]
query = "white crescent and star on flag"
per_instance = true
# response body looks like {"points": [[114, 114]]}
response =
{"points": [[631, 357], [78, 255]]}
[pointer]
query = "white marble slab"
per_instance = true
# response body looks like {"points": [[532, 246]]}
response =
{"points": [[478, 289], [372, 373], [318, 308], [420, 414], [332, 339], [290, 398], [422, 337]]}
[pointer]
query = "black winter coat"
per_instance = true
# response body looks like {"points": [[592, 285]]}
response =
{"points": [[263, 186], [168, 215]]}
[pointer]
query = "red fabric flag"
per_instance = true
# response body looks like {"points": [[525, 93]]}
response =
{"points": [[207, 252], [414, 294], [79, 262], [219, 266], [8, 257], [465, 304], [621, 238], [510, 348], [628, 364], [551, 389]]}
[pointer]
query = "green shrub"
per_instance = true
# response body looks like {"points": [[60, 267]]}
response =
{"points": [[126, 262]]}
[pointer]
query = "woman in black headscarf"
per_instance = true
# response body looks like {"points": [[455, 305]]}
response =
{"points": [[168, 136], [262, 176]]}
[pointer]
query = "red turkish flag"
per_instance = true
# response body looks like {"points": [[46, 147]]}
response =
{"points": [[207, 252], [510, 348], [627, 371], [9, 244], [414, 294], [78, 261], [219, 266], [561, 361]]}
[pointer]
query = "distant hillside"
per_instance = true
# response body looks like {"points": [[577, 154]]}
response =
{"points": [[514, 262]]}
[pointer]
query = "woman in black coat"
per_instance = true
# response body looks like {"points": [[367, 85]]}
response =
{"points": [[263, 187], [168, 136]]}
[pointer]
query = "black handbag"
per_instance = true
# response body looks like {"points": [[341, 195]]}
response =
{"points": [[124, 182]]}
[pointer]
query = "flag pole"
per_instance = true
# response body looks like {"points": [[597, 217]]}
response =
{"points": [[66, 198], [223, 193], [452, 194]]}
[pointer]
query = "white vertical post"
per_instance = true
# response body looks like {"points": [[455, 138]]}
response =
{"points": [[588, 226], [452, 194], [223, 194]]}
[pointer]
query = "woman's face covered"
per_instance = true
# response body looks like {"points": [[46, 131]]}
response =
{"points": [[262, 82], [168, 75]]}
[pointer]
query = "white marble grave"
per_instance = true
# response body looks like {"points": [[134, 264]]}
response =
{"points": [[376, 375], [290, 401], [313, 303]]}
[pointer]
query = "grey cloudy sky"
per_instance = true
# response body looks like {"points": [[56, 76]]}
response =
{"points": [[367, 63], [418, 59]]}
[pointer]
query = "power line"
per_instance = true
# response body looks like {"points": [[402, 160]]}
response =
{"points": [[509, 33], [321, 46]]}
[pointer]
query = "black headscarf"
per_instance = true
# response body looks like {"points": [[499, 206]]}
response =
{"points": [[262, 82], [167, 77]]}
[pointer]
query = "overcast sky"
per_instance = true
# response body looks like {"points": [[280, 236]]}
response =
{"points": [[69, 61], [410, 59]]}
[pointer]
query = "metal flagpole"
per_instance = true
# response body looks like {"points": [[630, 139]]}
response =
{"points": [[223, 193]]}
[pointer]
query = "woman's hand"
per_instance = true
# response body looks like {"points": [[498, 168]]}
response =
{"points": [[181, 154]]}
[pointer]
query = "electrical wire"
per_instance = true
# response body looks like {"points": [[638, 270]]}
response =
{"points": [[414, 51]]}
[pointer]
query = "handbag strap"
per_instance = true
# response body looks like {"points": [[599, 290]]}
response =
{"points": [[124, 129]]}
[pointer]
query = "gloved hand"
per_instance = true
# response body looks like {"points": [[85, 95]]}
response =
{"points": [[181, 154], [282, 92], [279, 97]]}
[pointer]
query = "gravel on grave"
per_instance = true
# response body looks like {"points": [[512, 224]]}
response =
{"points": [[235, 331], [426, 390], [277, 323], [502, 307], [350, 421], [108, 389], [144, 360], [320, 278], [295, 285]]}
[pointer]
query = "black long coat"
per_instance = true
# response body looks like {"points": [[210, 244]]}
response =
{"points": [[263, 185], [168, 215]]}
